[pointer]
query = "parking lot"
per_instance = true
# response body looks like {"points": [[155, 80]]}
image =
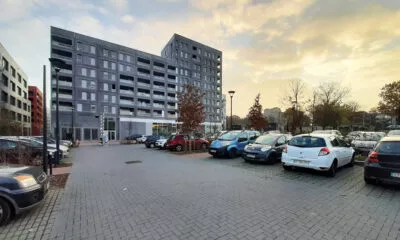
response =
{"points": [[169, 196]]}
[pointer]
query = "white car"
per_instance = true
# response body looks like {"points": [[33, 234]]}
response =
{"points": [[319, 152], [329, 132], [141, 139], [160, 143]]}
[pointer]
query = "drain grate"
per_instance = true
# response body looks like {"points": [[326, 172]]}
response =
{"points": [[132, 162]]}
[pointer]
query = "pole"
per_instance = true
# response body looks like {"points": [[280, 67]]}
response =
{"points": [[231, 111], [57, 120], [72, 124], [45, 155]]}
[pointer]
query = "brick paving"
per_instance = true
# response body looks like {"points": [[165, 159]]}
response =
{"points": [[36, 223], [198, 197]]}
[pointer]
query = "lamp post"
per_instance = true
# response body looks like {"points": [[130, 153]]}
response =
{"points": [[231, 95], [72, 124], [57, 64]]}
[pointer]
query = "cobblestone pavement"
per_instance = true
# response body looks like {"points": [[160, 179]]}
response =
{"points": [[198, 197], [36, 223]]}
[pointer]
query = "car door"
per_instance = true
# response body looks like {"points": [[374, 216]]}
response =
{"points": [[338, 151], [279, 145], [347, 151], [243, 140]]}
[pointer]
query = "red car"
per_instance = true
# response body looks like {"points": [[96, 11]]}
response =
{"points": [[177, 142]]}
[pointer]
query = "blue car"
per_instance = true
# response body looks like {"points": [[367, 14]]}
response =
{"points": [[232, 143], [267, 148]]}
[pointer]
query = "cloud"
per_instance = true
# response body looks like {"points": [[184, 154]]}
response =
{"points": [[127, 19], [118, 5], [13, 10]]}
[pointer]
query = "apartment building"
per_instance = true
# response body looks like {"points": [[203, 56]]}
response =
{"points": [[14, 101], [135, 91], [35, 96]]}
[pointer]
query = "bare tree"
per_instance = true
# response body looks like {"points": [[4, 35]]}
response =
{"points": [[332, 93], [191, 109]]}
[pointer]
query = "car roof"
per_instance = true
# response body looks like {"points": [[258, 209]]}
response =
{"points": [[322, 135], [391, 139]]}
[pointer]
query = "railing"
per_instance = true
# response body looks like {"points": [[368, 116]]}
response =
{"points": [[128, 102], [124, 112], [143, 64], [63, 83], [159, 87], [159, 68], [172, 89], [158, 114], [144, 104], [172, 98], [143, 84], [126, 91], [159, 77], [60, 95], [158, 96], [172, 116], [171, 71], [143, 114], [143, 94], [55, 55], [172, 80], [171, 107], [157, 105], [67, 71], [143, 74], [130, 82], [60, 44]]}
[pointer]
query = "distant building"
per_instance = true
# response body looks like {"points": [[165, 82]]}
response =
{"points": [[36, 98], [274, 117], [14, 92]]}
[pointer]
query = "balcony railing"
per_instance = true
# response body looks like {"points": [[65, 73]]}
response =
{"points": [[144, 104], [172, 107], [143, 74], [158, 68], [66, 71], [171, 89], [171, 71], [143, 84], [157, 105], [130, 82], [63, 83], [158, 87], [61, 95], [126, 102], [126, 92], [56, 43], [172, 98], [143, 64], [159, 77], [140, 94], [172, 115], [125, 112], [172, 80], [158, 114], [143, 114], [158, 96], [55, 55]]}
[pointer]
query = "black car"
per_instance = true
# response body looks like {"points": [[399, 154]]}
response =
{"points": [[21, 188], [151, 141], [383, 163], [266, 148]]}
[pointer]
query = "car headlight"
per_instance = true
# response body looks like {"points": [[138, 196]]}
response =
{"points": [[247, 147], [264, 149], [25, 181]]}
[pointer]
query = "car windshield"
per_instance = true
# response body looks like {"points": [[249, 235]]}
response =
{"points": [[33, 142], [388, 148], [266, 140], [307, 142], [229, 136], [394, 133]]}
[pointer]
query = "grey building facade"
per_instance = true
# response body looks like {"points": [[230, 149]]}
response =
{"points": [[14, 100], [136, 91]]}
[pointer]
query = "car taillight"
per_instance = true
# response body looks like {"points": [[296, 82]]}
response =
{"points": [[285, 149], [324, 151], [373, 157], [173, 142]]}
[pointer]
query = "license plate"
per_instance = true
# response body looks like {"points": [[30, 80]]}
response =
{"points": [[394, 174], [251, 155], [301, 162], [213, 151]]}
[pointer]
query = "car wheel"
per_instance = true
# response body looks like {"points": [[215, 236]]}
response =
{"points": [[232, 153], [178, 148], [152, 145], [351, 163], [287, 168], [271, 159], [204, 147], [369, 181], [332, 170], [5, 212]]}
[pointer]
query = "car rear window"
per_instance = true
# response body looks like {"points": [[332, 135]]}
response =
{"points": [[307, 142], [388, 148]]}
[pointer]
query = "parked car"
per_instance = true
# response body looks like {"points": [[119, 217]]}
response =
{"points": [[330, 132], [178, 142], [151, 141], [232, 143], [134, 137], [366, 141], [142, 139], [394, 133], [319, 152], [161, 143], [19, 152], [383, 163], [21, 188], [66, 143], [52, 143], [266, 148]]}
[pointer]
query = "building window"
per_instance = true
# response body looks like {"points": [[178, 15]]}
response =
{"points": [[120, 56], [113, 55], [121, 67], [79, 107], [93, 73], [105, 53], [19, 77], [113, 99], [84, 72], [93, 108], [113, 77], [4, 96], [13, 71], [128, 58], [5, 64], [19, 91], [105, 98], [113, 110], [105, 110], [92, 61], [105, 75], [105, 87], [84, 95], [92, 49], [5, 80], [113, 66], [19, 104], [92, 85], [79, 59], [93, 96], [13, 86], [25, 106], [105, 64], [84, 84]]}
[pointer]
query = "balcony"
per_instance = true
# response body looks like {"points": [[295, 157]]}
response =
{"points": [[143, 64], [172, 107], [143, 84], [171, 89], [144, 104], [172, 98], [62, 108], [129, 82], [155, 114], [126, 102], [159, 87], [143, 114], [62, 83], [68, 59], [60, 44], [66, 71], [62, 95], [171, 71], [155, 96], [128, 92], [142, 94], [159, 77], [172, 115], [158, 105], [143, 74], [158, 68], [125, 112]]}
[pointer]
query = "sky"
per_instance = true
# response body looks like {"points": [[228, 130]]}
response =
{"points": [[265, 44]]}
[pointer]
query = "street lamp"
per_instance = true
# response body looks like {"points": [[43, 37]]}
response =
{"points": [[72, 124], [57, 64], [231, 95]]}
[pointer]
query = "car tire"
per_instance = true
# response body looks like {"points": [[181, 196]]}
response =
{"points": [[152, 145], [178, 148], [271, 159], [369, 181], [332, 170], [203, 147], [351, 163], [287, 168], [5, 208], [232, 153]]}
